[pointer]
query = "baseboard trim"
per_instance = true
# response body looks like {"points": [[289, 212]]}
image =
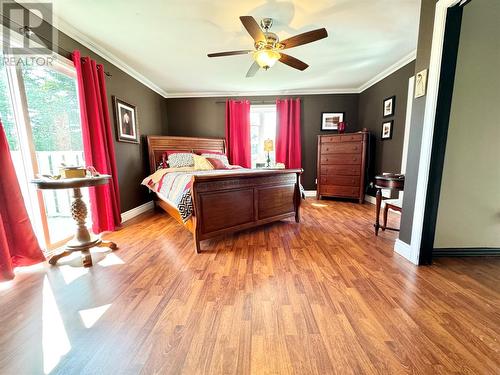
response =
{"points": [[310, 193], [130, 214], [466, 252], [370, 199], [403, 249]]}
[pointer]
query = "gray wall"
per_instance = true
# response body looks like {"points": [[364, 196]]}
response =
{"points": [[387, 153], [205, 117], [469, 204], [131, 159], [427, 10]]}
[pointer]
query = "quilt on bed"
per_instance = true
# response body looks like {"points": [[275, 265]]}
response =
{"points": [[175, 187]]}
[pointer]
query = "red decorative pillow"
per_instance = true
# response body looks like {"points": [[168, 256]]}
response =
{"points": [[217, 163], [199, 152]]}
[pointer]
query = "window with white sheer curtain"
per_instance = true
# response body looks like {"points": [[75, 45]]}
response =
{"points": [[262, 127], [40, 112]]}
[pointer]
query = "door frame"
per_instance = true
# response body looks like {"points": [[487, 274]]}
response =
{"points": [[442, 121], [426, 148]]}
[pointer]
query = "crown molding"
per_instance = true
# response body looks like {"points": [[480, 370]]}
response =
{"points": [[85, 41], [387, 72], [211, 94], [81, 38]]}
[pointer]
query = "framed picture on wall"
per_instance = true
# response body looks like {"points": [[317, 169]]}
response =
{"points": [[330, 120], [389, 105], [387, 130], [127, 129]]}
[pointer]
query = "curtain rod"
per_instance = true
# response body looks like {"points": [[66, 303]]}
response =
{"points": [[24, 31], [251, 102]]}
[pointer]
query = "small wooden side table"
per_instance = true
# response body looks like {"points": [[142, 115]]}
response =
{"points": [[386, 181], [83, 240]]}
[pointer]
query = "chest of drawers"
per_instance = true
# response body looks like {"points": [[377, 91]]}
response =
{"points": [[341, 165]]}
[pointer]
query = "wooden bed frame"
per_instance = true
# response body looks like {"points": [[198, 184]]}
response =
{"points": [[229, 203]]}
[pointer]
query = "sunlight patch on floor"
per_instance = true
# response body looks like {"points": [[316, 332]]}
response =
{"points": [[30, 269], [319, 205], [70, 274], [91, 316], [111, 259], [55, 342], [4, 285]]}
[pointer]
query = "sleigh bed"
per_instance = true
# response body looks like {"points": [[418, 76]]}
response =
{"points": [[227, 201]]}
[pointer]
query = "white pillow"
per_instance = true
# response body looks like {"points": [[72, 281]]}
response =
{"points": [[221, 157], [180, 159]]}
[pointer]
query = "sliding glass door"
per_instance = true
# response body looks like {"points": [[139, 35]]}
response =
{"points": [[40, 111]]}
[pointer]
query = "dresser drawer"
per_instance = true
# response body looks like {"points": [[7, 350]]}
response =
{"points": [[330, 139], [344, 170], [351, 137], [341, 159], [339, 180], [339, 191], [341, 148]]}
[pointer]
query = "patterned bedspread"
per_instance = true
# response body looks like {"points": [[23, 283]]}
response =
{"points": [[174, 186]]}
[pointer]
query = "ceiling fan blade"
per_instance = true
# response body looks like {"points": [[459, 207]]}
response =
{"points": [[230, 53], [254, 68], [253, 28], [304, 38], [293, 62]]}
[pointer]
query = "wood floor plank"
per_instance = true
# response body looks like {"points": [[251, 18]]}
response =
{"points": [[321, 297]]}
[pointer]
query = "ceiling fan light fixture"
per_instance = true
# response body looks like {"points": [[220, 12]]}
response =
{"points": [[268, 47], [266, 58]]}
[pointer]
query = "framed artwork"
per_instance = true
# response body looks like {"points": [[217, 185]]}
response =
{"points": [[389, 105], [330, 120], [387, 130], [127, 129], [420, 83]]}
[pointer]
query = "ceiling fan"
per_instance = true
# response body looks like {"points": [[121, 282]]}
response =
{"points": [[268, 47]]}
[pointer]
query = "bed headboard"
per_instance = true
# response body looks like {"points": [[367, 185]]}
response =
{"points": [[158, 144]]}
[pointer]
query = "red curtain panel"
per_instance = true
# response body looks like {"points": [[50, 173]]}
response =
{"points": [[18, 244], [98, 146], [238, 132], [288, 144]]}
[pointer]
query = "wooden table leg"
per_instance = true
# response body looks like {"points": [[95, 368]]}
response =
{"points": [[53, 260], [86, 258], [386, 209], [109, 244], [83, 240], [378, 197]]}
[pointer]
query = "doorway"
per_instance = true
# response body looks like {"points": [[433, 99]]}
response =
{"points": [[462, 211]]}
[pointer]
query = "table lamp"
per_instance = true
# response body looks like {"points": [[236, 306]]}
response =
{"points": [[268, 147]]}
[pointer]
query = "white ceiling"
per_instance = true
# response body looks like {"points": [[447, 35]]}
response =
{"points": [[165, 42]]}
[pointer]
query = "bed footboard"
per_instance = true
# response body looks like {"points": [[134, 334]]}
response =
{"points": [[225, 204]]}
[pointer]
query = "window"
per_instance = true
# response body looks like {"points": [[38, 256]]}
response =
{"points": [[262, 127], [40, 111]]}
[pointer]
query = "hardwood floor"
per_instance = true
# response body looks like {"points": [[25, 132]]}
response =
{"points": [[321, 297]]}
